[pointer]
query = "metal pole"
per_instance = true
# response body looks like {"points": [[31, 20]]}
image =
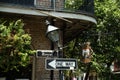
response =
{"points": [[51, 75], [52, 72], [54, 4], [60, 56], [52, 48]]}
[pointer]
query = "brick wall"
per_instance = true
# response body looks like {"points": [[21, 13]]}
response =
{"points": [[37, 30]]}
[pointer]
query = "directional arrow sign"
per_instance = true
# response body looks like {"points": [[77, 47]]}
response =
{"points": [[52, 64], [60, 64]]}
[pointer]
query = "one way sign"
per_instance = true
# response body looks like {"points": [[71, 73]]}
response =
{"points": [[60, 64]]}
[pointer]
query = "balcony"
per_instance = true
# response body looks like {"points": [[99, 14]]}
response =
{"points": [[77, 17], [19, 2], [85, 6]]}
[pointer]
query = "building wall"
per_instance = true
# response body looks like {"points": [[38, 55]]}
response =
{"points": [[37, 30]]}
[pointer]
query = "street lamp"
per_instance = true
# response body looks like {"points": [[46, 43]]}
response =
{"points": [[52, 33]]}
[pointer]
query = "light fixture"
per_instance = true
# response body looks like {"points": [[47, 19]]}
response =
{"points": [[52, 32]]}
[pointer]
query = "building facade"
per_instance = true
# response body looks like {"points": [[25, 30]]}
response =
{"points": [[34, 14]]}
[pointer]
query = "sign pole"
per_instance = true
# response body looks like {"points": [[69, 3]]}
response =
{"points": [[60, 71], [51, 71]]}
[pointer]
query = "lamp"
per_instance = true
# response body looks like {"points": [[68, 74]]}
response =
{"points": [[52, 32]]}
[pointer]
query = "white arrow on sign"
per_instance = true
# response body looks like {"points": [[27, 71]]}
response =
{"points": [[55, 64]]}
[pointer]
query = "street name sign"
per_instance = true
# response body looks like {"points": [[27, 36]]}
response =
{"points": [[44, 53], [60, 64]]}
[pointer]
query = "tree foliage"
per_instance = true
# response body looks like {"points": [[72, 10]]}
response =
{"points": [[14, 45], [104, 38], [108, 26], [73, 4]]}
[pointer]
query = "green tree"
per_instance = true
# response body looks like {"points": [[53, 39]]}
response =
{"points": [[104, 38], [73, 4], [14, 45], [108, 47]]}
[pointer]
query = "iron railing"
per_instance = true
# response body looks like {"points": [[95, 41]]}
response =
{"points": [[19, 2], [86, 6]]}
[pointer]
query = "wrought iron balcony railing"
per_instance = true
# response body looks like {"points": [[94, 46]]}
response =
{"points": [[86, 6], [19, 2]]}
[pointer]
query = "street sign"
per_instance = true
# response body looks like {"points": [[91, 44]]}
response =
{"points": [[45, 53], [60, 64]]}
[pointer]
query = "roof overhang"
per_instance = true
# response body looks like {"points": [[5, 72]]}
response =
{"points": [[33, 11], [76, 22]]}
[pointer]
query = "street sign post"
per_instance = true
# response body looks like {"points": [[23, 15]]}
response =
{"points": [[60, 64]]}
